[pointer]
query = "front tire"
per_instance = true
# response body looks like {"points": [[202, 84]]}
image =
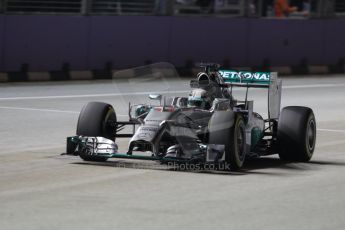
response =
{"points": [[228, 129], [96, 119], [296, 133]]}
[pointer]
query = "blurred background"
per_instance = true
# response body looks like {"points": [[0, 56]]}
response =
{"points": [[228, 8], [102, 35]]}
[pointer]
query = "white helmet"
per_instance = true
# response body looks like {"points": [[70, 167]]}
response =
{"points": [[199, 98]]}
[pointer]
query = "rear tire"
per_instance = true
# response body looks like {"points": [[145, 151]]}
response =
{"points": [[296, 133], [96, 119], [228, 129]]}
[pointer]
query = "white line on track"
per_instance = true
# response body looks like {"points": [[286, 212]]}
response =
{"points": [[90, 95], [40, 110], [312, 86], [48, 110], [332, 130], [146, 93]]}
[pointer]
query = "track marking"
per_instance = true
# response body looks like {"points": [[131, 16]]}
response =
{"points": [[40, 110], [91, 95], [312, 86], [48, 110], [146, 93], [332, 130], [330, 143]]}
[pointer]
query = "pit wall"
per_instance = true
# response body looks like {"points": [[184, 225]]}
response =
{"points": [[61, 44]]}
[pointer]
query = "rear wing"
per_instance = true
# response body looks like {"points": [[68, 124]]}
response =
{"points": [[247, 79]]}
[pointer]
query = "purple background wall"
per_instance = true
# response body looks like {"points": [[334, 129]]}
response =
{"points": [[46, 42], [127, 41], [286, 42], [2, 35]]}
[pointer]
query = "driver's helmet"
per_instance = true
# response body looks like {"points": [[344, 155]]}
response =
{"points": [[141, 109], [199, 98]]}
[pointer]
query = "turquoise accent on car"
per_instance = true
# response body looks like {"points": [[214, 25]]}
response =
{"points": [[256, 136]]}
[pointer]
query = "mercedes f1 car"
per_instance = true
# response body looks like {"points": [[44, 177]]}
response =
{"points": [[209, 126]]}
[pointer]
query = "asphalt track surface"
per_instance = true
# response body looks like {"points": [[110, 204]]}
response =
{"points": [[41, 189]]}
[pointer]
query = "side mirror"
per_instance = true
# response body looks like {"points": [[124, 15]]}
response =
{"points": [[156, 97]]}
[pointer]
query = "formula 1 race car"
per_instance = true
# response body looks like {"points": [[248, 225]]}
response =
{"points": [[209, 126]]}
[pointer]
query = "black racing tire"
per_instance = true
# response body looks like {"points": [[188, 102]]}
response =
{"points": [[296, 134], [228, 128], [96, 119]]}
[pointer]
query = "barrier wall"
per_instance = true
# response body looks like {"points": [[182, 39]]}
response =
{"points": [[46, 43], [128, 41], [2, 36], [334, 46], [286, 42]]}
